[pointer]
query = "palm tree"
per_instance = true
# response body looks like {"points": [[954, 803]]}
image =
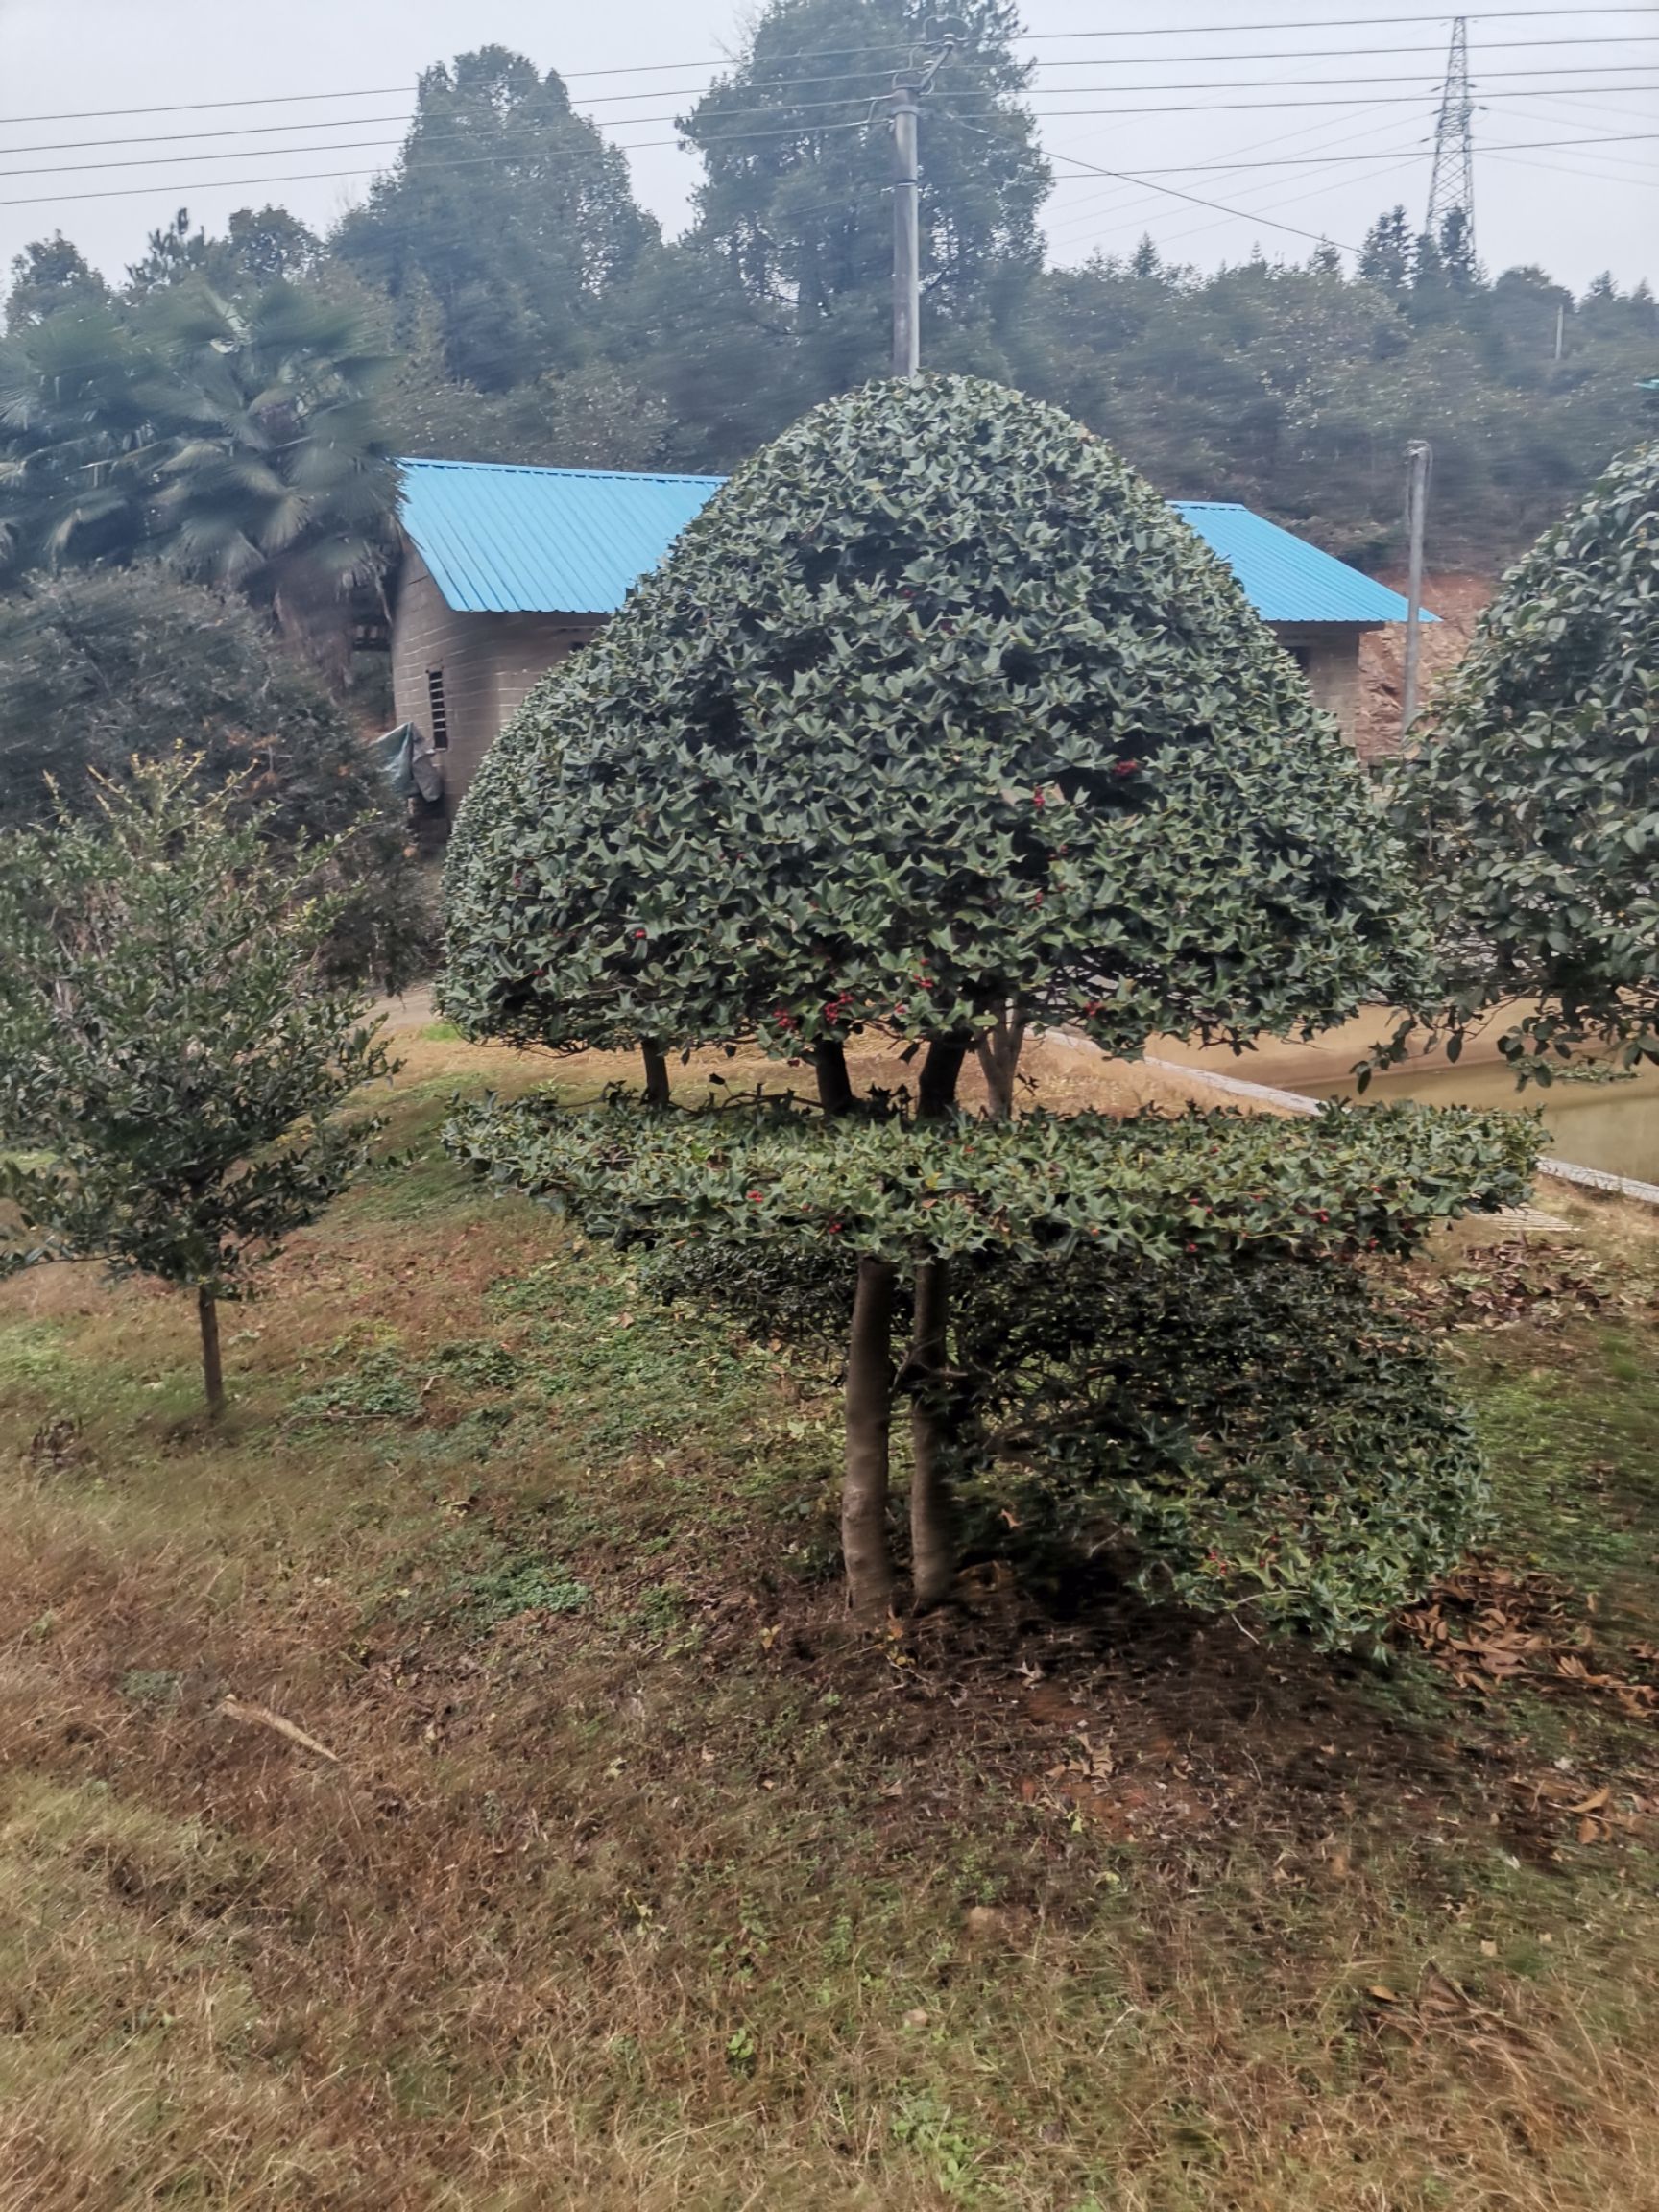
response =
{"points": [[78, 444], [239, 440], [275, 479]]}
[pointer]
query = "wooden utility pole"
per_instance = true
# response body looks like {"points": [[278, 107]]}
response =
{"points": [[1418, 458], [906, 233]]}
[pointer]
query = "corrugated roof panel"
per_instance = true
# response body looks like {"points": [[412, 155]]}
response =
{"points": [[1286, 579], [503, 540]]}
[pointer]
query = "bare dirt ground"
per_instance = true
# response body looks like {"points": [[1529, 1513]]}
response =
{"points": [[1458, 599]]}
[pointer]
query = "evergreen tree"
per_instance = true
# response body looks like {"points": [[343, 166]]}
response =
{"points": [[260, 248], [514, 212], [51, 273], [1457, 247], [105, 669], [937, 718], [1386, 255], [797, 201], [1533, 799], [172, 1057]]}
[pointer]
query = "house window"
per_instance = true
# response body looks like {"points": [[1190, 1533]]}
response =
{"points": [[1303, 655], [439, 711]]}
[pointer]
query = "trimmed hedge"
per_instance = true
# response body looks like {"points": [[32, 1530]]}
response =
{"points": [[1150, 1189], [936, 709], [1533, 801]]}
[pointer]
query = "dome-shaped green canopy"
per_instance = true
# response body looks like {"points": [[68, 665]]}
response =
{"points": [[935, 709]]}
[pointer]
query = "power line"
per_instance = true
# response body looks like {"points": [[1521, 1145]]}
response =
{"points": [[1243, 214], [1577, 169], [707, 139], [1045, 37], [1336, 23], [1400, 154], [1334, 53], [489, 160], [771, 85], [1091, 226]]}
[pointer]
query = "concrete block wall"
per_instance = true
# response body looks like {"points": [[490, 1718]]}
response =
{"points": [[1331, 654], [488, 663]]}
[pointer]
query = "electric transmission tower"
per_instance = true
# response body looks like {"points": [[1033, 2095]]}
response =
{"points": [[1451, 182]]}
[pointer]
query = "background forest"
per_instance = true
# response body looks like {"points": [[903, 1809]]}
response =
{"points": [[500, 295]]}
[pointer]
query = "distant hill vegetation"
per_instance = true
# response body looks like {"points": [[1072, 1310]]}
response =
{"points": [[520, 305]]}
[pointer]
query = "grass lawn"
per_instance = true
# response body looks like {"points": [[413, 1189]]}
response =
{"points": [[608, 1869]]}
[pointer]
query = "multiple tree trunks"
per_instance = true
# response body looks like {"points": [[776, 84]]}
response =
{"points": [[998, 1051], [870, 1376]]}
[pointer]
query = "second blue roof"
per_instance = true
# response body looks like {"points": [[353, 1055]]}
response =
{"points": [[501, 540]]}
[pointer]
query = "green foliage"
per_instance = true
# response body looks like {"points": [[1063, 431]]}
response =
{"points": [[1041, 1188], [171, 1056], [517, 1586], [1533, 801], [260, 248], [50, 274], [935, 711], [236, 436], [1258, 1430], [1292, 388], [101, 668], [1154, 1335], [520, 243], [1266, 1437], [593, 417], [797, 207], [378, 1388]]}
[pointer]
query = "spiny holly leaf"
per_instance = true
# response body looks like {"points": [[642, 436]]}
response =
{"points": [[1046, 1187], [937, 708], [1533, 804]]}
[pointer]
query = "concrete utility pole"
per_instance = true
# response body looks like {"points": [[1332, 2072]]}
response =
{"points": [[1560, 327], [1418, 456], [907, 91], [906, 233]]}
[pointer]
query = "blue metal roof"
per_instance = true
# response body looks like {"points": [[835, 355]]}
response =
{"points": [[503, 540], [1286, 579]]}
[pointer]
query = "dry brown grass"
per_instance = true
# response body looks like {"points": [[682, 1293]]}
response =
{"points": [[672, 1893]]}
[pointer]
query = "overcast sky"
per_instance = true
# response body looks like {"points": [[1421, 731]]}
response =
{"points": [[1542, 74]]}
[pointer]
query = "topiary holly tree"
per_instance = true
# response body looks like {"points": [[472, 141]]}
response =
{"points": [[1532, 803], [1041, 1216], [937, 718]]}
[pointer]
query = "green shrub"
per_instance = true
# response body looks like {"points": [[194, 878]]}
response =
{"points": [[1532, 803], [936, 716], [1266, 1437]]}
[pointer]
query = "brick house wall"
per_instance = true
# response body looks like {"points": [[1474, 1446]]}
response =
{"points": [[1328, 654], [482, 666], [468, 672]]}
